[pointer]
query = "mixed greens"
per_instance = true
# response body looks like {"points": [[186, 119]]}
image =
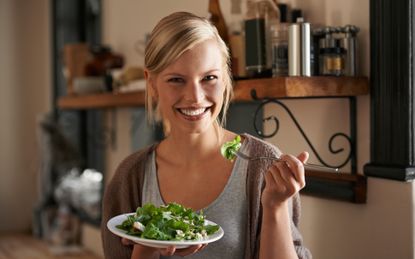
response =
{"points": [[167, 222], [229, 149]]}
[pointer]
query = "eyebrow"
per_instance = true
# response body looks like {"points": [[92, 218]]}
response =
{"points": [[181, 75], [173, 74]]}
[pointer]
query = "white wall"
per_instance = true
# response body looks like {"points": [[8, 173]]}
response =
{"points": [[25, 93], [381, 228]]}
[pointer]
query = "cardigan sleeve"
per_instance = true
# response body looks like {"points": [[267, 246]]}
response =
{"points": [[112, 206], [255, 186], [122, 195]]}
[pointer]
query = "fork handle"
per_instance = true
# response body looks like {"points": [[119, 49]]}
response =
{"points": [[306, 165], [321, 168]]}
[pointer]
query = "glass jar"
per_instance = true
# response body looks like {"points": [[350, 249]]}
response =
{"points": [[260, 14], [279, 49], [332, 61]]}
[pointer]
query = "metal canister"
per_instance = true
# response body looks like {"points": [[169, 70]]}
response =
{"points": [[305, 49], [294, 49], [299, 49], [350, 44], [317, 36]]}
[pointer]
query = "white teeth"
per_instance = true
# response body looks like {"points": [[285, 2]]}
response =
{"points": [[193, 112]]}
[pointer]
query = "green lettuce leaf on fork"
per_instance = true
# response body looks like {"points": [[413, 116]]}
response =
{"points": [[229, 149]]}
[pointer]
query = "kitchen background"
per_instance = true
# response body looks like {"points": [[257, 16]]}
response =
{"points": [[383, 227]]}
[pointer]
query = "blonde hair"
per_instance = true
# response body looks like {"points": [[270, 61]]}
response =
{"points": [[170, 38]]}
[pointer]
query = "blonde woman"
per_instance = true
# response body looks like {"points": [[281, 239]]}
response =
{"points": [[188, 89]]}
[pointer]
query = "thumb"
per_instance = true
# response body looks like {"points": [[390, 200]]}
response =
{"points": [[168, 251], [303, 157], [127, 242]]}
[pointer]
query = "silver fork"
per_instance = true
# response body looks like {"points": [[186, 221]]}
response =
{"points": [[306, 166]]}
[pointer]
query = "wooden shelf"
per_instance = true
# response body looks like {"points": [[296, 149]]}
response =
{"points": [[295, 87], [104, 100], [277, 87], [341, 186]]}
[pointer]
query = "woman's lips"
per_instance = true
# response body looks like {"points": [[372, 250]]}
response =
{"points": [[193, 113]]}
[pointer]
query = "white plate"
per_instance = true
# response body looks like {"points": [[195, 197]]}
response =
{"points": [[117, 220]]}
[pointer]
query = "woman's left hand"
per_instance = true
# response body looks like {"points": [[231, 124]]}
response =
{"points": [[283, 180]]}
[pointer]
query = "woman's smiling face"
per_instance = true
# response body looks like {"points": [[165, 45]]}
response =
{"points": [[190, 91]]}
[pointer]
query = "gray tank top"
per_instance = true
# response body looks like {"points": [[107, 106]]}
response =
{"points": [[229, 209]]}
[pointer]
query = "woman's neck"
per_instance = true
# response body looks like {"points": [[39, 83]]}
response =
{"points": [[180, 147]]}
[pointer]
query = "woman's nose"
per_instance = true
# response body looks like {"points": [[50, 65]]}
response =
{"points": [[194, 92]]}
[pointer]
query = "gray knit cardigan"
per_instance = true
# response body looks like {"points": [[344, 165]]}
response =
{"points": [[123, 195]]}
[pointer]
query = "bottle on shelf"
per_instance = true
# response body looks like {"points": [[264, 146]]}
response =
{"points": [[237, 40], [217, 19], [350, 45], [299, 48], [295, 14], [284, 9], [317, 37], [260, 15], [279, 44], [332, 60]]}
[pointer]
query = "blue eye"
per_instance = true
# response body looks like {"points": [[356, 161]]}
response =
{"points": [[210, 78]]}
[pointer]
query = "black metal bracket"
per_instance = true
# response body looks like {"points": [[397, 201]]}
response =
{"points": [[351, 140]]}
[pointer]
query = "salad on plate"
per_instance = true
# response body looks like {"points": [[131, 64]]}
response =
{"points": [[171, 222]]}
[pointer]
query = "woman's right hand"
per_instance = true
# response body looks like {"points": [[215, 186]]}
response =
{"points": [[141, 251]]}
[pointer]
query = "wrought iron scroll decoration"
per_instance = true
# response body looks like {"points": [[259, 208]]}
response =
{"points": [[266, 101]]}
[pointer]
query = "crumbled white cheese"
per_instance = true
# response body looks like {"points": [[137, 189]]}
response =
{"points": [[199, 236], [139, 226], [179, 233]]}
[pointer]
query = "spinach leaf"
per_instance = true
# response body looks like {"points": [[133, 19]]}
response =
{"points": [[229, 149]]}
